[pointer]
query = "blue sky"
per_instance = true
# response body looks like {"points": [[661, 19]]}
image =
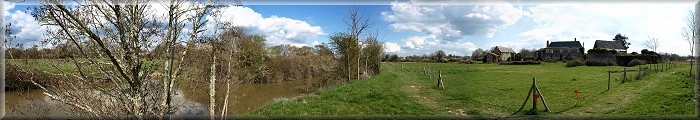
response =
{"points": [[416, 27]]}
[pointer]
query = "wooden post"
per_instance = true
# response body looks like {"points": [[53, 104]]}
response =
{"points": [[624, 75], [429, 71], [608, 79], [639, 73], [441, 84], [534, 92], [425, 72], [542, 98]]}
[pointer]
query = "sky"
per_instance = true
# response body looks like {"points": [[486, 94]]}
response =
{"points": [[418, 27]]}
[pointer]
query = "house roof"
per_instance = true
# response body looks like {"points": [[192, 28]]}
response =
{"points": [[505, 49], [570, 44], [608, 45]]}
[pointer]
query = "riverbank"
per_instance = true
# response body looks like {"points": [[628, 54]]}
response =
{"points": [[497, 90]]}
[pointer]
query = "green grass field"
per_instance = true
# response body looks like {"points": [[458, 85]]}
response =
{"points": [[491, 89]]}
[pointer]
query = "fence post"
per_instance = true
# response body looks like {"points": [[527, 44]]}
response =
{"points": [[624, 75], [534, 93], [639, 73], [441, 84], [425, 72], [608, 79], [430, 76]]}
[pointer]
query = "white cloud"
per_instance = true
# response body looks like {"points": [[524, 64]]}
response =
{"points": [[588, 23], [391, 47], [6, 6], [452, 22], [416, 42], [278, 30], [315, 43], [25, 28], [430, 43]]}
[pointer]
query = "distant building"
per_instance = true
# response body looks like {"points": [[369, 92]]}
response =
{"points": [[610, 45], [561, 50], [491, 58], [504, 53]]}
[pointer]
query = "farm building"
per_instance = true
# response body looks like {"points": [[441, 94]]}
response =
{"points": [[491, 58], [609, 45], [504, 53], [561, 50]]}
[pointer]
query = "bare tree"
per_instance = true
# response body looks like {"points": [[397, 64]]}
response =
{"points": [[652, 43], [689, 34], [114, 38], [348, 44], [695, 29]]}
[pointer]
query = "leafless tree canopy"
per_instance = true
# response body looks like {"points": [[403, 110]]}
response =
{"points": [[652, 43], [129, 59], [115, 37]]}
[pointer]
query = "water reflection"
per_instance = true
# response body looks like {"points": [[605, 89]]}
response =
{"points": [[191, 97]]}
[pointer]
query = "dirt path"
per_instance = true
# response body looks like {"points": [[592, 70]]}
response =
{"points": [[413, 88]]}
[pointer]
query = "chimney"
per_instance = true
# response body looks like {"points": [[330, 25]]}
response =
{"points": [[547, 43], [574, 39]]}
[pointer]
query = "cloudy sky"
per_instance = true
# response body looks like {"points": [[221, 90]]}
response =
{"points": [[422, 27]]}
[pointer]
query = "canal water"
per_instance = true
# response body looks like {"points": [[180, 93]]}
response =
{"points": [[193, 96]]}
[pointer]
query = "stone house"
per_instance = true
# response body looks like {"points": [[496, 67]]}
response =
{"points": [[561, 50], [504, 53]]}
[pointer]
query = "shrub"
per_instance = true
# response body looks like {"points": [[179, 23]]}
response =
{"points": [[467, 61], [455, 59], [636, 62], [550, 60], [600, 63], [574, 63], [20, 80]]}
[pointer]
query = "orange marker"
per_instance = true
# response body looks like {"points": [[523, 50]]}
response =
{"points": [[576, 92]]}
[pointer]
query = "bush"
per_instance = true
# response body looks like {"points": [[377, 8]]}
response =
{"points": [[600, 63], [20, 80], [574, 63], [467, 61], [636, 62], [550, 60]]}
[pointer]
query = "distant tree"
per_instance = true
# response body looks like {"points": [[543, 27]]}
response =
{"points": [[372, 55], [647, 52], [439, 55], [652, 43], [347, 44], [478, 54], [689, 32], [394, 58], [527, 53], [619, 38], [323, 50]]}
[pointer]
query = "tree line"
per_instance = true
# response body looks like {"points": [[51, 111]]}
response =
{"points": [[114, 42]]}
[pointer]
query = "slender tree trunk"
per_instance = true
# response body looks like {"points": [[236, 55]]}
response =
{"points": [[212, 90], [358, 65], [228, 83]]}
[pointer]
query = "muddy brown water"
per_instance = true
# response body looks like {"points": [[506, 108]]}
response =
{"points": [[193, 96]]}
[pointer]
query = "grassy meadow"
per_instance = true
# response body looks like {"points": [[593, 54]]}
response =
{"points": [[492, 89]]}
